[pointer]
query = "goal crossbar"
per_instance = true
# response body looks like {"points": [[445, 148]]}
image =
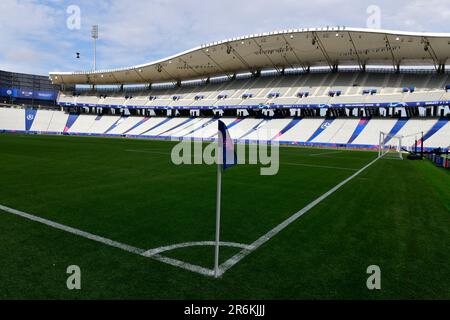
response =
{"points": [[390, 146]]}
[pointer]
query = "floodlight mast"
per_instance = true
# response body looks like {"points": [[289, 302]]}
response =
{"points": [[94, 34]]}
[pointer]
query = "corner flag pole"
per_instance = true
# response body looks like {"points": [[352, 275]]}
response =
{"points": [[218, 205], [226, 158]]}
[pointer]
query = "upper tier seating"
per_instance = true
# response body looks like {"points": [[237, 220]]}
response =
{"points": [[290, 89]]}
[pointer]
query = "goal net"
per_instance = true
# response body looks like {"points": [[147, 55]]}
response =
{"points": [[390, 146]]}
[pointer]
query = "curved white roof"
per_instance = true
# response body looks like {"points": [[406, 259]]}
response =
{"points": [[278, 50]]}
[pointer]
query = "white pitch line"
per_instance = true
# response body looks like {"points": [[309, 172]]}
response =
{"points": [[324, 153], [153, 253], [317, 166], [109, 242], [262, 240], [74, 231], [146, 151], [159, 250], [183, 265]]}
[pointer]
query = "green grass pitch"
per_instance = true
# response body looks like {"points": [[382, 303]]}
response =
{"points": [[396, 215]]}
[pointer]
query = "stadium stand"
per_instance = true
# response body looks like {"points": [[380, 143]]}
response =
{"points": [[12, 119], [332, 132], [123, 125], [264, 87], [256, 92], [42, 121], [27, 90], [439, 139], [58, 122], [101, 124]]}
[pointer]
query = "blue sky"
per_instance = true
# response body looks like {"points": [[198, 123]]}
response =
{"points": [[138, 31]]}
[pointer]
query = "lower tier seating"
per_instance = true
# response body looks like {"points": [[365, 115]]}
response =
{"points": [[343, 132]]}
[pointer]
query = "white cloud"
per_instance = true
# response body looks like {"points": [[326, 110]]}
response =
{"points": [[420, 15], [138, 31], [23, 27]]}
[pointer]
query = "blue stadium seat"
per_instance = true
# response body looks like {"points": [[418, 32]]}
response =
{"points": [[273, 95]]}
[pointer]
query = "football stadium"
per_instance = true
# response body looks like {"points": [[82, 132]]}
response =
{"points": [[340, 189]]}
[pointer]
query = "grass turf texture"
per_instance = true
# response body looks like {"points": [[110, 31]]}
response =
{"points": [[395, 215]]}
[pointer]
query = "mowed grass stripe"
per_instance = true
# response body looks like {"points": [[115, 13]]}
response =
{"points": [[146, 201], [396, 216]]}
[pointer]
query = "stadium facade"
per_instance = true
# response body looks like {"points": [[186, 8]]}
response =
{"points": [[27, 90], [331, 87]]}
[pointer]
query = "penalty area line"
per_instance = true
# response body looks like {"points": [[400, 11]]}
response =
{"points": [[269, 235]]}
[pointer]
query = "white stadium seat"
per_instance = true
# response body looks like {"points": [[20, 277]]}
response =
{"points": [[310, 131], [12, 119], [335, 102]]}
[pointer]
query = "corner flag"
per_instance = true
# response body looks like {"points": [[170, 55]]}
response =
{"points": [[226, 158], [226, 146]]}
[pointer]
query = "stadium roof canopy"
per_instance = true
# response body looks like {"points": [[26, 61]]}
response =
{"points": [[300, 48]]}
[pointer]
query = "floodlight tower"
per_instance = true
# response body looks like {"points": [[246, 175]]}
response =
{"points": [[94, 34]]}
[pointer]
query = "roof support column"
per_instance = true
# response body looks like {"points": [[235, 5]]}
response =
{"points": [[360, 63], [300, 63], [230, 50], [267, 56], [317, 40], [429, 48], [389, 47]]}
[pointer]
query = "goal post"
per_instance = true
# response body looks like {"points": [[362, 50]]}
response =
{"points": [[390, 146]]}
